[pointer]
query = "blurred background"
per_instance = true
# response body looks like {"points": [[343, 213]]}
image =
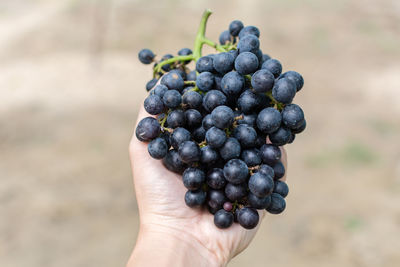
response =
{"points": [[71, 85]]}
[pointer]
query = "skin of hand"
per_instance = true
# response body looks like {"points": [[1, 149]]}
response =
{"points": [[172, 234]]}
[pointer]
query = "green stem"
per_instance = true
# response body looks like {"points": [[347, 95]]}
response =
{"points": [[198, 45]]}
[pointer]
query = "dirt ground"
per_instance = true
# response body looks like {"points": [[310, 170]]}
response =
{"points": [[71, 84]]}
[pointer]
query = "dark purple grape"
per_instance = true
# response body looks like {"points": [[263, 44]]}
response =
{"points": [[213, 99], [246, 135], [280, 137], [292, 116], [223, 219], [193, 178], [261, 185], [231, 149], [270, 154], [259, 203], [284, 91], [248, 218], [205, 81], [189, 152], [278, 204], [295, 77], [146, 56], [173, 81], [223, 62], [173, 162], [279, 170], [215, 137], [262, 81], [236, 171], [216, 199], [205, 64], [266, 170], [281, 188], [216, 179], [193, 118], [176, 119], [246, 63], [236, 192], [208, 155], [148, 129], [269, 120], [225, 38], [153, 104], [251, 157], [195, 198], [249, 43], [158, 148], [160, 90], [249, 30], [192, 99], [301, 128], [232, 83], [222, 117], [150, 84], [172, 99], [235, 27]]}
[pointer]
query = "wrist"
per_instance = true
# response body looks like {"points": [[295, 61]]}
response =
{"points": [[162, 246]]}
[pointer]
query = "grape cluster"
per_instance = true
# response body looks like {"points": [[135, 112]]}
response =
{"points": [[212, 124]]}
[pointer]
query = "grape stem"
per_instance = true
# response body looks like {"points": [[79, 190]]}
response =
{"points": [[200, 40]]}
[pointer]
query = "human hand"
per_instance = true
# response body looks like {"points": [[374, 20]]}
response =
{"points": [[172, 234]]}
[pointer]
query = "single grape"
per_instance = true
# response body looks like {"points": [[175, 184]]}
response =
{"points": [[284, 91], [262, 81], [301, 128], [176, 119], [273, 66], [208, 155], [205, 64], [223, 219], [230, 150], [261, 185], [192, 99], [199, 134], [279, 170], [207, 122], [193, 178], [216, 199], [246, 63], [150, 84], [173, 162], [215, 137], [265, 57], [146, 56], [248, 217], [292, 116], [205, 81], [280, 137], [295, 77], [147, 129], [281, 188], [216, 179], [158, 148], [248, 30], [173, 81], [189, 152], [269, 120], [246, 135], [222, 117], [193, 118], [213, 99], [232, 83], [153, 105], [228, 206], [249, 43], [160, 90], [195, 198], [236, 192], [225, 38], [178, 136], [248, 102], [278, 204], [251, 157], [172, 99], [223, 62], [236, 171], [270, 154], [235, 27]]}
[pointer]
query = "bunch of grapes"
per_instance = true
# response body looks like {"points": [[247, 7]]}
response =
{"points": [[221, 125]]}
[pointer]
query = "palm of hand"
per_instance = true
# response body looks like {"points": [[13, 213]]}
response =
{"points": [[160, 196]]}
